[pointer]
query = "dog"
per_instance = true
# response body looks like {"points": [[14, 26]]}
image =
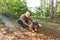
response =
{"points": [[34, 26]]}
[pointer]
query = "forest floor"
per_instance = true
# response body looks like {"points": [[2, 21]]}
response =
{"points": [[48, 31]]}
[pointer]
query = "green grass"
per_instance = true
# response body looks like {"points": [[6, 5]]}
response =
{"points": [[48, 23]]}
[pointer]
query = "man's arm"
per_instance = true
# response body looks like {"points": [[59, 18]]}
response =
{"points": [[30, 19], [22, 19]]}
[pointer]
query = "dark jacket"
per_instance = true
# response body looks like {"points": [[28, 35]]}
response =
{"points": [[24, 19]]}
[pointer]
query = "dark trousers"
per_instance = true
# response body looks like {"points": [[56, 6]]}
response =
{"points": [[22, 24]]}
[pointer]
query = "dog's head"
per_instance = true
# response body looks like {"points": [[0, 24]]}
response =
{"points": [[35, 23], [35, 26]]}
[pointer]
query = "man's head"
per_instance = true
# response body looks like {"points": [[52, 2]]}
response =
{"points": [[27, 14]]}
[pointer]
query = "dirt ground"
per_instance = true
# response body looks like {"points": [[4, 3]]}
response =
{"points": [[24, 34]]}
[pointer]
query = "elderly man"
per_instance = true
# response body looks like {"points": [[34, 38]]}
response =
{"points": [[24, 20]]}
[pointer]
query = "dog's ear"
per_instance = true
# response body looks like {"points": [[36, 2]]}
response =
{"points": [[37, 22]]}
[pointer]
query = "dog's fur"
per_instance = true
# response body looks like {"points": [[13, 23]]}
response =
{"points": [[34, 26]]}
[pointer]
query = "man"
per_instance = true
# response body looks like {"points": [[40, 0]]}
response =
{"points": [[24, 20]]}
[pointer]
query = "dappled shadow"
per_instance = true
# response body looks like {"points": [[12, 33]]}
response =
{"points": [[57, 22], [44, 33], [50, 32], [17, 33]]}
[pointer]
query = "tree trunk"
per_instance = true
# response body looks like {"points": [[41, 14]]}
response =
{"points": [[53, 5], [51, 9], [55, 8]]}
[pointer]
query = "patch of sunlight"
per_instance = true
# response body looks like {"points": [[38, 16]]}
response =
{"points": [[58, 28], [58, 9], [0, 25], [42, 16], [32, 4], [7, 1], [21, 0], [44, 24], [50, 25]]}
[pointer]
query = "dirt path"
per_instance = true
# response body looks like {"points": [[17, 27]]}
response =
{"points": [[12, 33], [23, 34]]}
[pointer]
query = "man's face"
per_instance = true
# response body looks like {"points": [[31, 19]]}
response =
{"points": [[27, 14]]}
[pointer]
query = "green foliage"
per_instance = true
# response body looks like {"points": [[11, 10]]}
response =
{"points": [[58, 2], [13, 8], [58, 14], [47, 13]]}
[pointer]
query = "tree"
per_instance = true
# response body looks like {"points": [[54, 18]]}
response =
{"points": [[53, 8], [13, 8]]}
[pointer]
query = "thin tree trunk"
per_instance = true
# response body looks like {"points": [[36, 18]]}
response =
{"points": [[55, 8], [51, 9]]}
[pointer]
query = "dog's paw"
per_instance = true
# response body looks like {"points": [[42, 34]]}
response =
{"points": [[40, 25]]}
